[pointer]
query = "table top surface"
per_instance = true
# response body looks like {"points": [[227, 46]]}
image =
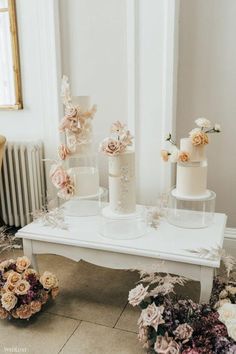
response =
{"points": [[167, 242]]}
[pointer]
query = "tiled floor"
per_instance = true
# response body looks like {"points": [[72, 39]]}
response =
{"points": [[89, 316]]}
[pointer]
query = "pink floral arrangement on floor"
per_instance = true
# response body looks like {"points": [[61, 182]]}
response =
{"points": [[199, 137], [23, 291], [118, 141], [169, 325]]}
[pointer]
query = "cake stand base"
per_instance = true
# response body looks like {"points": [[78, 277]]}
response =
{"points": [[87, 205], [191, 213], [123, 226]]}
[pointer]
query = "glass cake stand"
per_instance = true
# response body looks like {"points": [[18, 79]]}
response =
{"points": [[192, 213], [123, 226]]}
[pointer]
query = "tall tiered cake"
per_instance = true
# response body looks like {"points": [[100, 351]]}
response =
{"points": [[121, 170], [76, 174]]}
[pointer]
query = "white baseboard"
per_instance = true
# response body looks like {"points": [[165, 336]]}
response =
{"points": [[230, 241]]}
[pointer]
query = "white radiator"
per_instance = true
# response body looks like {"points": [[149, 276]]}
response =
{"points": [[22, 182]]}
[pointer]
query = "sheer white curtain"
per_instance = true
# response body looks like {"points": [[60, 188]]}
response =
{"points": [[7, 92]]}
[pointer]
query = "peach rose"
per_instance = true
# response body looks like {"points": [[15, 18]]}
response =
{"points": [[48, 280], [63, 151], [112, 146], [183, 156], [54, 292], [22, 287], [13, 278], [58, 176], [165, 155], [199, 138], [22, 263], [8, 300], [24, 311], [28, 272], [3, 313], [35, 306]]}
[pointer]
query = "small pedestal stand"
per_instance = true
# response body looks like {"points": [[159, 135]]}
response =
{"points": [[123, 226], [192, 213]]}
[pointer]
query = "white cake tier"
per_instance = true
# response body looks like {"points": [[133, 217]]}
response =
{"points": [[86, 180], [197, 153], [122, 183], [191, 180]]}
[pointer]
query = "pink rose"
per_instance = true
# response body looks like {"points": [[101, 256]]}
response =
{"points": [[58, 176], [112, 146], [137, 295], [152, 316]]}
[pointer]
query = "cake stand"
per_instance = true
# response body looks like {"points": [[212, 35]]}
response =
{"points": [[191, 212]]}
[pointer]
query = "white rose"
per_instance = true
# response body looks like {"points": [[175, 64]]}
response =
{"points": [[227, 312], [174, 154], [203, 123], [137, 294]]}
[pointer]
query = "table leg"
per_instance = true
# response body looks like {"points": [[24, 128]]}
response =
{"points": [[28, 251], [206, 281]]}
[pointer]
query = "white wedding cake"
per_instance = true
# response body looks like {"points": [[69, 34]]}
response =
{"points": [[191, 174], [121, 170], [76, 174]]}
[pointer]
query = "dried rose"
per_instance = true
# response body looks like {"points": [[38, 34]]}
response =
{"points": [[22, 287], [8, 300], [166, 345], [184, 156], [35, 306], [3, 313], [137, 294], [152, 316], [48, 280], [24, 311], [183, 332], [22, 263]]}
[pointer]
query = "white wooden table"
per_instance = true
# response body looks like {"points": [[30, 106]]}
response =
{"points": [[168, 243]]}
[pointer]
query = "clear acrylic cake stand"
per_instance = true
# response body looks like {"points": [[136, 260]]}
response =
{"points": [[192, 213], [123, 226]]}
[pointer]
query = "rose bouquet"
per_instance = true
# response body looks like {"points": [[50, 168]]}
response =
{"points": [[168, 325], [198, 136], [118, 141], [23, 291]]}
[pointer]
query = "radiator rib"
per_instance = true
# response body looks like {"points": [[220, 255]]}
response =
{"points": [[22, 182]]}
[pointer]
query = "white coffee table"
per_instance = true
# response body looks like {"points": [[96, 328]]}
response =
{"points": [[168, 243]]}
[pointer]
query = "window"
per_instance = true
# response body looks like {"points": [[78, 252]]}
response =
{"points": [[10, 84]]}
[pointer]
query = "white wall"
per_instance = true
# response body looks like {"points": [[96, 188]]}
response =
{"points": [[39, 118], [207, 87]]}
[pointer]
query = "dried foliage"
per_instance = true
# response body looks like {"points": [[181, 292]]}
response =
{"points": [[7, 240], [53, 218]]}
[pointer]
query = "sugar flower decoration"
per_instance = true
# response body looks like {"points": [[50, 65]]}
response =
{"points": [[119, 140], [203, 122], [62, 181]]}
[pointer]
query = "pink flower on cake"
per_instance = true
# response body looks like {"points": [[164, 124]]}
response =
{"points": [[137, 294], [199, 138], [152, 316], [72, 111], [63, 151], [58, 176], [165, 155], [112, 146], [183, 156]]}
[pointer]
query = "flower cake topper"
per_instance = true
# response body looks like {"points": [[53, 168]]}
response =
{"points": [[118, 141], [198, 136]]}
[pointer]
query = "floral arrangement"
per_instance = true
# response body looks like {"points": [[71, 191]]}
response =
{"points": [[168, 325], [118, 141], [62, 181], [76, 123], [23, 291], [198, 136]]}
